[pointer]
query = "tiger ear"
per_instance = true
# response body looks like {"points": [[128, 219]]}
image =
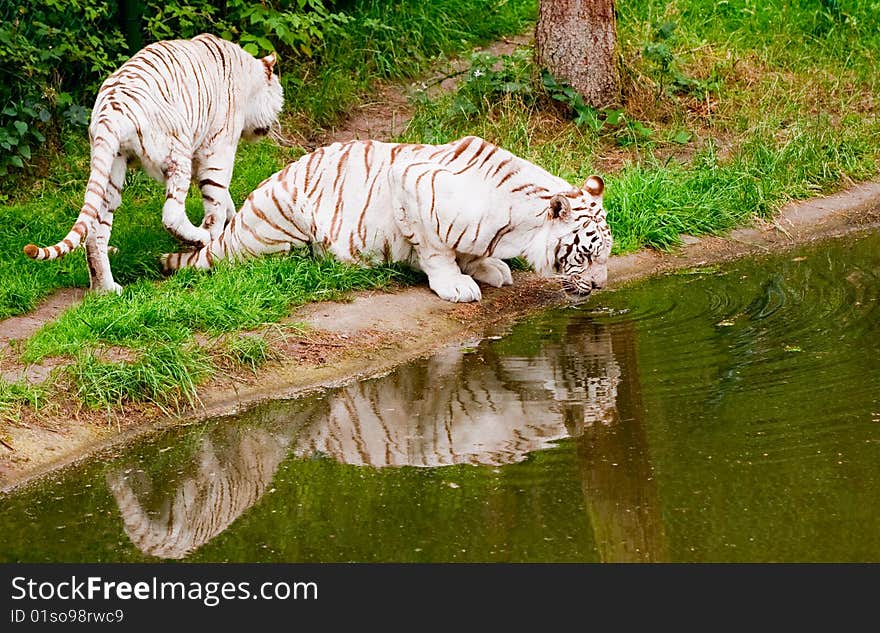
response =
{"points": [[594, 185], [269, 62], [560, 208]]}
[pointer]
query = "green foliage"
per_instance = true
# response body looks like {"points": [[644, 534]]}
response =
{"points": [[626, 131], [246, 350], [393, 40], [298, 27], [666, 66], [488, 80], [20, 133], [51, 53], [15, 395]]}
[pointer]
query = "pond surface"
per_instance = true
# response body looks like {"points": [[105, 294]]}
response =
{"points": [[728, 414]]}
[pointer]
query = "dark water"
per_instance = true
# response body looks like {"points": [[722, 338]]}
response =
{"points": [[722, 414]]}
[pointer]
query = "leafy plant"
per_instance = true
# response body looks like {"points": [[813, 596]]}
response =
{"points": [[625, 130], [667, 66], [52, 52], [300, 30], [20, 133], [490, 77], [294, 26]]}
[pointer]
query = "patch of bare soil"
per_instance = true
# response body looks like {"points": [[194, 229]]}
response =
{"points": [[23, 326]]}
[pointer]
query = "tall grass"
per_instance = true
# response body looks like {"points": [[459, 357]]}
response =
{"points": [[164, 374], [16, 395]]}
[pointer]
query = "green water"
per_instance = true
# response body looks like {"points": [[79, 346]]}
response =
{"points": [[728, 414]]}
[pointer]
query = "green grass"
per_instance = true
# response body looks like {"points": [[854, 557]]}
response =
{"points": [[250, 351], [44, 214], [746, 106], [230, 298], [15, 395], [163, 374]]}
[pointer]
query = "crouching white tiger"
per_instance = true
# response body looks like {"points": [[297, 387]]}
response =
{"points": [[454, 211]]}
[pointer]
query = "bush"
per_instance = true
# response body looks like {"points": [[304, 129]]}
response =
{"points": [[52, 53]]}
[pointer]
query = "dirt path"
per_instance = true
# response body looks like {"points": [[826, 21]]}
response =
{"points": [[386, 115], [375, 331]]}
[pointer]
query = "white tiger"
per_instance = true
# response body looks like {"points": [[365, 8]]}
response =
{"points": [[454, 211], [180, 108]]}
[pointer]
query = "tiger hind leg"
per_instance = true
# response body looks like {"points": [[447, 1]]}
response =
{"points": [[198, 259], [214, 177], [96, 242], [177, 170], [489, 270]]}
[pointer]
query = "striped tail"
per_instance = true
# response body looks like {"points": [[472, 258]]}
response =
{"points": [[200, 259], [103, 152]]}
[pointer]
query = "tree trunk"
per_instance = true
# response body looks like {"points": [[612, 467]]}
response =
{"points": [[576, 41]]}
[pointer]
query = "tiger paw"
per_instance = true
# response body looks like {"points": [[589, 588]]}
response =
{"points": [[458, 288], [112, 287], [194, 237], [491, 271]]}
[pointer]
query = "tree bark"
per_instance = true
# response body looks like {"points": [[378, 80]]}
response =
{"points": [[576, 40]]}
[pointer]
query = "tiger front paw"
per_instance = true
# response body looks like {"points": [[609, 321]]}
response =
{"points": [[459, 288], [491, 271]]}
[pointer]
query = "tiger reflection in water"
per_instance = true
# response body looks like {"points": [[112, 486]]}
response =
{"points": [[492, 410], [447, 411]]}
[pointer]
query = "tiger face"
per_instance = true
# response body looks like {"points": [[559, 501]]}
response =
{"points": [[266, 100], [584, 239]]}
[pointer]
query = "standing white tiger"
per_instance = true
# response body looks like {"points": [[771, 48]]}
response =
{"points": [[454, 211], [180, 107]]}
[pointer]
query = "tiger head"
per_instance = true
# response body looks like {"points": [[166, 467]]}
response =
{"points": [[581, 240], [265, 100]]}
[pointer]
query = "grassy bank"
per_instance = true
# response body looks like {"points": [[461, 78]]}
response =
{"points": [[728, 111]]}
